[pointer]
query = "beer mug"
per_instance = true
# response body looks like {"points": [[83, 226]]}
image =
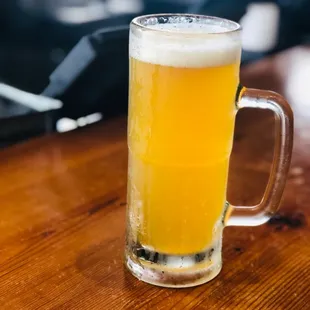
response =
{"points": [[184, 94]]}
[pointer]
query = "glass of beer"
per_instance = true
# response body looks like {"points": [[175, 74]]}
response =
{"points": [[184, 95]]}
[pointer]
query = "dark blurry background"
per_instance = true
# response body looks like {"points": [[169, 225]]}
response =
{"points": [[37, 35]]}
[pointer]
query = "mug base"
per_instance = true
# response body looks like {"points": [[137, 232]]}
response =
{"points": [[174, 271]]}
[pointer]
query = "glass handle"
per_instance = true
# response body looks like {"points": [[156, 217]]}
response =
{"points": [[261, 213]]}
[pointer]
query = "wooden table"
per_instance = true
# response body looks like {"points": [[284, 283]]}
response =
{"points": [[62, 217]]}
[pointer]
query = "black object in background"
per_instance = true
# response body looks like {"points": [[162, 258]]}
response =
{"points": [[94, 75]]}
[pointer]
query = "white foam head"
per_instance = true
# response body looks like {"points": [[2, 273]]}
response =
{"points": [[184, 44]]}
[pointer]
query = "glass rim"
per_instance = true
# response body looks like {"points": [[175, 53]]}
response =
{"points": [[138, 22]]}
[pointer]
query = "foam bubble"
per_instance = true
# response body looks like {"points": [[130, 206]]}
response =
{"points": [[185, 45]]}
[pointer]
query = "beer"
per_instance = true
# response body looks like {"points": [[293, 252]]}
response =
{"points": [[180, 131], [183, 101]]}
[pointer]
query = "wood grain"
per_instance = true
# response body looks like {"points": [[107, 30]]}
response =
{"points": [[62, 221]]}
